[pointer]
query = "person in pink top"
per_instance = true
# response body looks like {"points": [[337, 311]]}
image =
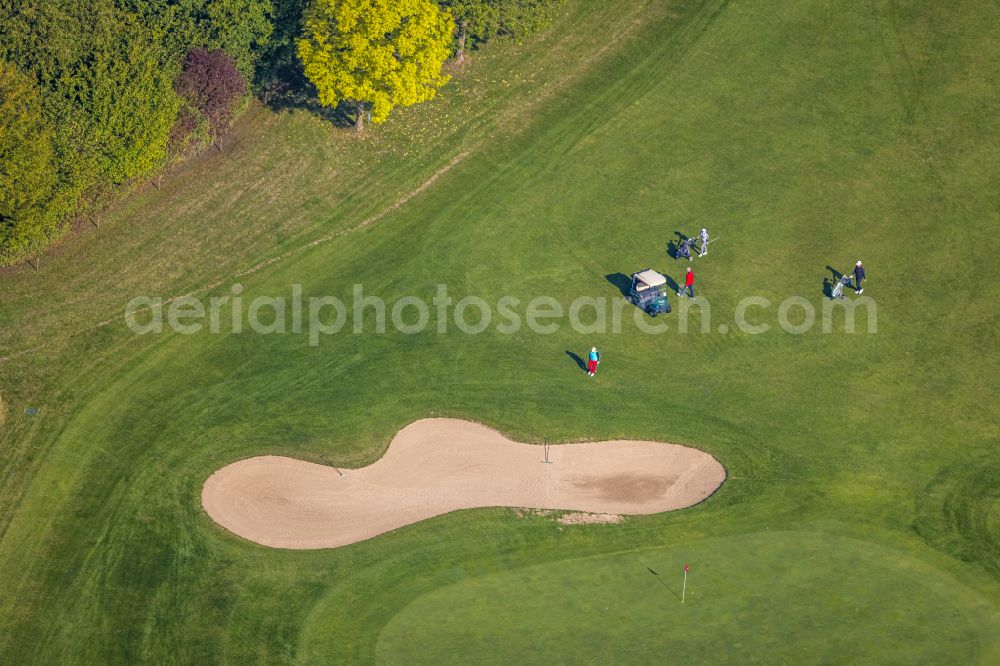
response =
{"points": [[592, 362]]}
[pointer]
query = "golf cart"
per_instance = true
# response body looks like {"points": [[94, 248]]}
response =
{"points": [[649, 292]]}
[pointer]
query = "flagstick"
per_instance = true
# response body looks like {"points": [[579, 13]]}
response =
{"points": [[685, 588]]}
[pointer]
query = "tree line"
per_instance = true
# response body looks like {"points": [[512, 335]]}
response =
{"points": [[95, 94]]}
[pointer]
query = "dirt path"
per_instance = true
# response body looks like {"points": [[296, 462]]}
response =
{"points": [[435, 466]]}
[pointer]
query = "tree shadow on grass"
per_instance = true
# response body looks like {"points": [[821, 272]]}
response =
{"points": [[576, 357], [278, 77], [289, 90]]}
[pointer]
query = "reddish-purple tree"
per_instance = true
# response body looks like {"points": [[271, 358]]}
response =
{"points": [[211, 84]]}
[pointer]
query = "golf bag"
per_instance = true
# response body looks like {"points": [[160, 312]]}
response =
{"points": [[684, 249], [838, 288]]}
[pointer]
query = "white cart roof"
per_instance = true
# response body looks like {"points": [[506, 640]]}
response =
{"points": [[651, 277]]}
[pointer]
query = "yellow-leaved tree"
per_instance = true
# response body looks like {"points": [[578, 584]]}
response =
{"points": [[376, 54]]}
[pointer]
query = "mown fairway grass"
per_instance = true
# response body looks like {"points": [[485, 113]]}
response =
{"points": [[859, 522]]}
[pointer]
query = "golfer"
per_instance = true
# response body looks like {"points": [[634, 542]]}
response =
{"points": [[688, 284], [704, 242], [859, 276], [595, 358]]}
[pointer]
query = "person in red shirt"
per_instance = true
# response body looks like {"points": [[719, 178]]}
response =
{"points": [[688, 284]]}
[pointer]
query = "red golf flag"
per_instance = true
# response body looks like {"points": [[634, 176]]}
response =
{"points": [[686, 568]]}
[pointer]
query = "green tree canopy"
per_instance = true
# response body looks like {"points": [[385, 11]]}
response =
{"points": [[241, 28], [27, 175], [105, 72], [130, 105], [107, 87], [481, 20], [377, 54]]}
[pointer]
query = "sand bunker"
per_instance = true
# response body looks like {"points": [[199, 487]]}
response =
{"points": [[435, 466]]}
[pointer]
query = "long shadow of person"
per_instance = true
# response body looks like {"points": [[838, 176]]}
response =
{"points": [[827, 288], [836, 274], [576, 357], [672, 283], [621, 281]]}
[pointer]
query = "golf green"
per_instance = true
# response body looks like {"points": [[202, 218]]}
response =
{"points": [[764, 597]]}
